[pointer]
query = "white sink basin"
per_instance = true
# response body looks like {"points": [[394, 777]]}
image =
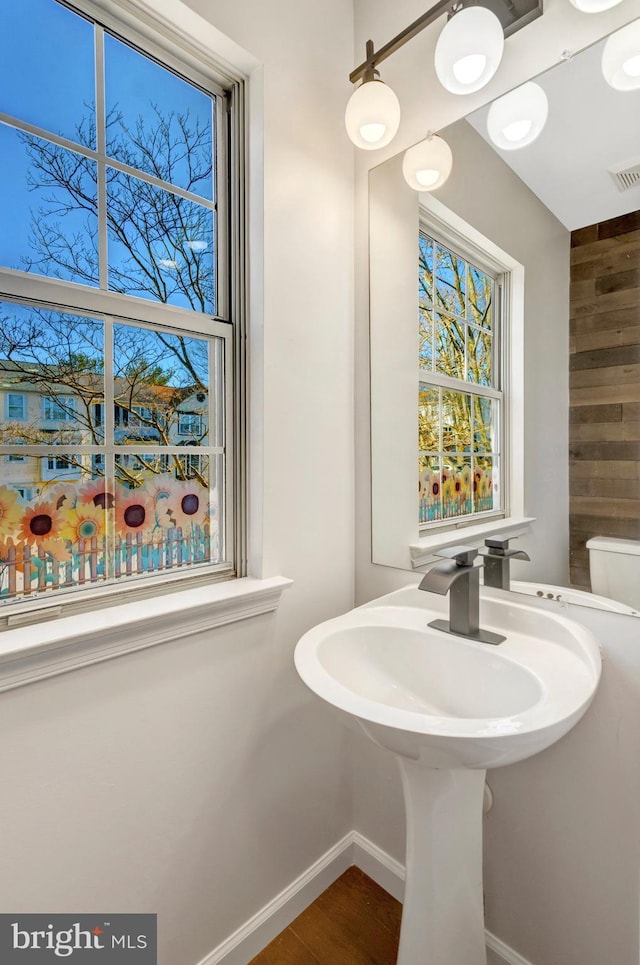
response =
{"points": [[445, 700], [449, 708]]}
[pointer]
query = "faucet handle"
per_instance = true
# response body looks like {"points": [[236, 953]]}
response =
{"points": [[463, 555], [499, 546]]}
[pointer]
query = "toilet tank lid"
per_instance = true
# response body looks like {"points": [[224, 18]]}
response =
{"points": [[609, 544]]}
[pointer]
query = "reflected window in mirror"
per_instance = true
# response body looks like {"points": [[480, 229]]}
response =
{"points": [[460, 395]]}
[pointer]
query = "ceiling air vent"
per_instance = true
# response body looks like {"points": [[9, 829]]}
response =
{"points": [[626, 175]]}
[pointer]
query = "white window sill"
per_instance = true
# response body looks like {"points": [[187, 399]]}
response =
{"points": [[31, 653], [425, 549]]}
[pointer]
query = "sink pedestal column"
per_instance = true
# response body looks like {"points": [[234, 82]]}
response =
{"points": [[443, 912]]}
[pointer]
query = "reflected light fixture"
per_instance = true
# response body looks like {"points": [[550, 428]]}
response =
{"points": [[372, 116], [469, 50], [594, 6], [517, 119], [427, 165], [467, 56], [621, 58]]}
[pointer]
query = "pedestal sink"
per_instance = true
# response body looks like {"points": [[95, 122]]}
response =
{"points": [[449, 708]]}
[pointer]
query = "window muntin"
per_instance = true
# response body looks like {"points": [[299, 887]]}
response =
{"points": [[459, 396], [106, 390]]}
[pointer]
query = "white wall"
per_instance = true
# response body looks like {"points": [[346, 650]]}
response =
{"points": [[561, 853], [199, 778]]}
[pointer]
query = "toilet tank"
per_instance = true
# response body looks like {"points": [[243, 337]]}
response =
{"points": [[614, 566]]}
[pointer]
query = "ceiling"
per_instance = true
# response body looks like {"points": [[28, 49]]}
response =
{"points": [[590, 128]]}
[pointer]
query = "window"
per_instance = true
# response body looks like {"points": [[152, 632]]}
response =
{"points": [[61, 468], [13, 457], [460, 396], [189, 424], [61, 409], [16, 408], [120, 301]]}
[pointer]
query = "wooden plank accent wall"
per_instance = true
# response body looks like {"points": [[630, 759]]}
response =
{"points": [[604, 394]]}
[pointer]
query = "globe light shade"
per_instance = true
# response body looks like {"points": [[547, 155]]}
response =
{"points": [[594, 6], [516, 119], [427, 165], [372, 116], [469, 50], [621, 58]]}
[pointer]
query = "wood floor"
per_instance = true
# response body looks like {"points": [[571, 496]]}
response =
{"points": [[354, 922]]}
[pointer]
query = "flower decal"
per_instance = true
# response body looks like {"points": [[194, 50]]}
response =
{"points": [[135, 512], [187, 506], [84, 522], [96, 492], [10, 511], [41, 521]]}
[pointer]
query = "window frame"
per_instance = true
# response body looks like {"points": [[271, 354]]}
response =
{"points": [[476, 255], [229, 323]]}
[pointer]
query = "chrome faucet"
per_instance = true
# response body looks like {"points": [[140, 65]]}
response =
{"points": [[460, 577], [497, 558]]}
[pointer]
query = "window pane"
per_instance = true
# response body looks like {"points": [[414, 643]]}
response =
{"points": [[48, 197], [450, 282], [485, 425], [161, 388], [456, 422], [156, 121], [480, 356], [456, 487], [450, 349], [425, 270], [47, 68], [486, 485], [53, 524], [480, 297], [166, 514], [160, 245], [425, 334], [429, 489], [428, 420], [52, 362]]}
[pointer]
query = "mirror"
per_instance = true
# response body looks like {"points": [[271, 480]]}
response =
{"points": [[559, 222]]}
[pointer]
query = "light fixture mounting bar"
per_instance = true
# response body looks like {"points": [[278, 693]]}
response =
{"points": [[374, 58], [513, 14]]}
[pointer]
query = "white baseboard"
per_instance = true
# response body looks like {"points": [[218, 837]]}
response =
{"points": [[505, 952], [385, 870], [240, 947]]}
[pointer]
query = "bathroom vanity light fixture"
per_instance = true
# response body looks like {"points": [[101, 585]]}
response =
{"points": [[427, 165], [594, 6], [469, 49], [621, 58], [467, 55], [517, 119], [372, 116]]}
